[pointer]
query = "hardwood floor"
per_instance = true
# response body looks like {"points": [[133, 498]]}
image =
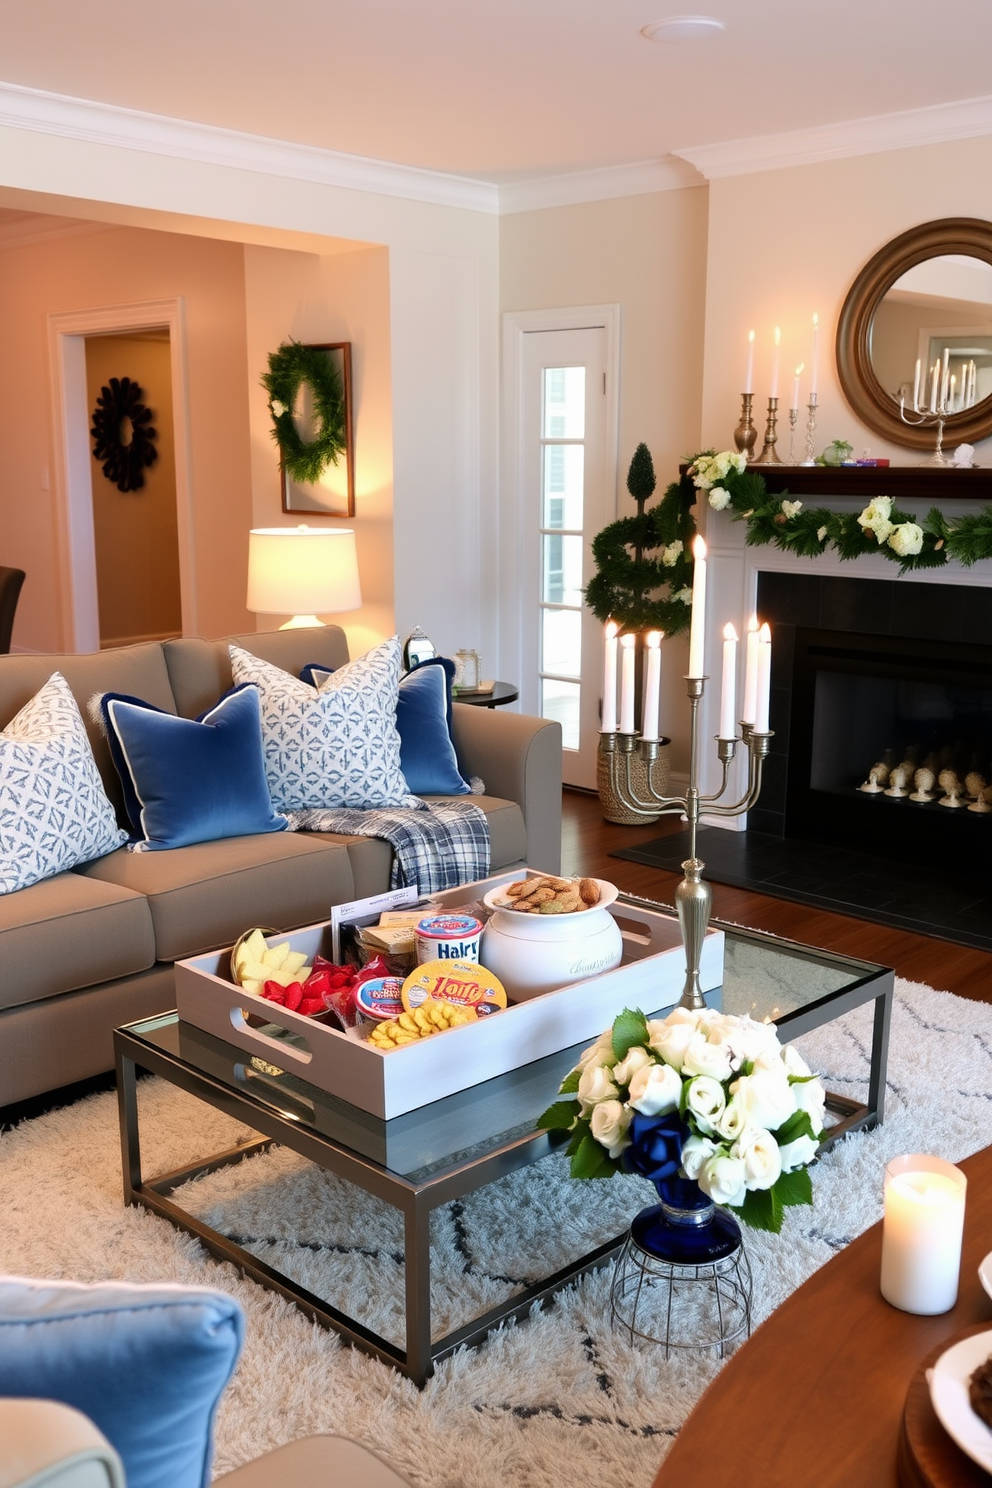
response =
{"points": [[587, 841]]}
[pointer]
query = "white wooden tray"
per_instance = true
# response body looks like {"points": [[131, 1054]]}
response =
{"points": [[389, 1083]]}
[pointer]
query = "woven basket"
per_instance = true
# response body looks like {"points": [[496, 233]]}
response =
{"points": [[614, 808]]}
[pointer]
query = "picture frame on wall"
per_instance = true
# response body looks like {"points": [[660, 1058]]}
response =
{"points": [[334, 494]]}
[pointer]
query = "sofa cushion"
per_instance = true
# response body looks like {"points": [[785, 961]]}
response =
{"points": [[423, 721], [204, 896], [70, 932], [335, 747], [54, 811], [146, 1364], [188, 780]]}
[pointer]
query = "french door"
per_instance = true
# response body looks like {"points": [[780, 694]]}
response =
{"points": [[567, 465]]}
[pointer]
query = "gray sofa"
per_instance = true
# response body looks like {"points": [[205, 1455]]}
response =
{"points": [[94, 947]]}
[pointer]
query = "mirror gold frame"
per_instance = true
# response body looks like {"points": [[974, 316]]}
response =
{"points": [[970, 236]]}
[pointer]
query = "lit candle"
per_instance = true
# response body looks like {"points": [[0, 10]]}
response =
{"points": [[751, 672], [921, 1233], [697, 626], [916, 388], [943, 379], [764, 680], [749, 376], [950, 394], [609, 718], [815, 369], [627, 643], [795, 388], [728, 691], [933, 387], [774, 389], [652, 686]]}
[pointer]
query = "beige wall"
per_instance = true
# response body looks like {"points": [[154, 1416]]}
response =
{"points": [[340, 297], [786, 243], [647, 254], [102, 269], [135, 532]]}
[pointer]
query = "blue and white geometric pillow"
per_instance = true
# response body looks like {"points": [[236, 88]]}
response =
{"points": [[336, 747], [54, 811]]}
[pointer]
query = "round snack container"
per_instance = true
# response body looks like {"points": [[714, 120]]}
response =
{"points": [[465, 983], [448, 937], [536, 953], [379, 998]]}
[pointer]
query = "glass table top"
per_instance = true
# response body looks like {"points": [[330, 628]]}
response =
{"points": [[770, 979]]}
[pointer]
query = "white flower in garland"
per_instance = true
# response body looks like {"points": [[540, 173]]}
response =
{"points": [[707, 470], [821, 533], [792, 508], [277, 408], [906, 539], [875, 518], [670, 555], [719, 498], [685, 595]]}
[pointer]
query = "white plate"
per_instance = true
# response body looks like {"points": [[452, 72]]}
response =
{"points": [[985, 1274], [948, 1381]]}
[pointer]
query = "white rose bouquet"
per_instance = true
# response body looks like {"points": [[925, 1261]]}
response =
{"points": [[700, 1095]]}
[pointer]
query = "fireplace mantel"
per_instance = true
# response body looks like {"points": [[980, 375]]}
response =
{"points": [[901, 482]]}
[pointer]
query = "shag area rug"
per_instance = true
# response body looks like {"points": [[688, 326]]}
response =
{"points": [[559, 1397]]}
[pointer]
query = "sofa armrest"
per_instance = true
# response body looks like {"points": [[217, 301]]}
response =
{"points": [[44, 1444], [519, 759]]}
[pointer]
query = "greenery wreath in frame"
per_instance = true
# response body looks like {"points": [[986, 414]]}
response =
{"points": [[122, 462], [294, 364]]}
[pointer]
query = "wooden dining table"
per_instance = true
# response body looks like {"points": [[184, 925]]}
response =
{"points": [[818, 1394]]}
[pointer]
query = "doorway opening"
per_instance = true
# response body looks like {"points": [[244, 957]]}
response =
{"points": [[135, 531]]}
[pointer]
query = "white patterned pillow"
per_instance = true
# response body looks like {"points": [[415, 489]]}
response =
{"points": [[54, 811], [335, 747]]}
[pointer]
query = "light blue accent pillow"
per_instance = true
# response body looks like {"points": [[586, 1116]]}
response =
{"points": [[54, 811], [189, 780], [335, 747], [423, 721], [147, 1364]]}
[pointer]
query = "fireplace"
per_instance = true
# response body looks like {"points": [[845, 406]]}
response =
{"points": [[869, 671]]}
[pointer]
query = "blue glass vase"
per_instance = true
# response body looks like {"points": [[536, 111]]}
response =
{"points": [[686, 1228]]}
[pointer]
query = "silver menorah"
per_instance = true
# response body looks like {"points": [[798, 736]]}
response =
{"points": [[693, 897]]}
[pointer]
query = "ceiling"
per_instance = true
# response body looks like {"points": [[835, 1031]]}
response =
{"points": [[501, 90]]}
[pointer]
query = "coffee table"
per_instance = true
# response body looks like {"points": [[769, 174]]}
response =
{"points": [[431, 1156]]}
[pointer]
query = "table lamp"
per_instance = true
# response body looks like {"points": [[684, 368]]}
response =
{"points": [[302, 571]]}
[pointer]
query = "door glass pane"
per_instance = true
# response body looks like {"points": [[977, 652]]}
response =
{"points": [[560, 702], [564, 402], [563, 477], [562, 569], [561, 642]]}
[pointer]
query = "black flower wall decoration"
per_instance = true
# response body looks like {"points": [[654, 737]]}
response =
{"points": [[123, 439]]}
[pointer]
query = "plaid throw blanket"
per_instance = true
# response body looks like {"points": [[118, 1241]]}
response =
{"points": [[437, 846]]}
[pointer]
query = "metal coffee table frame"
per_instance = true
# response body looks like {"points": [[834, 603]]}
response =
{"points": [[277, 1122]]}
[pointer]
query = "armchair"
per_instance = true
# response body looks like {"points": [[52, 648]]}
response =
{"points": [[113, 1383]]}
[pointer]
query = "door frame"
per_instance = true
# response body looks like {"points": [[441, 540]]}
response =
{"points": [[517, 324], [75, 545]]}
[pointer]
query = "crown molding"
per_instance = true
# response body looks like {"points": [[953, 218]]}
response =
{"points": [[872, 135], [604, 183], [155, 134]]}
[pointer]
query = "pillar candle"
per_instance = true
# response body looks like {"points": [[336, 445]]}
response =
{"points": [[774, 387], [815, 369], [728, 690], [751, 672], [921, 1233], [627, 659], [608, 722], [652, 686], [749, 376], [697, 626], [764, 679]]}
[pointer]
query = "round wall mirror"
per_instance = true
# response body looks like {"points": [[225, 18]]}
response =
{"points": [[915, 335]]}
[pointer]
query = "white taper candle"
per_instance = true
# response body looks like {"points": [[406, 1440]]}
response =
{"points": [[728, 690], [751, 672], [608, 722], [652, 686], [697, 626], [627, 661], [764, 679]]}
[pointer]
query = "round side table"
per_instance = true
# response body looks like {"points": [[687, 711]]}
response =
{"points": [[502, 692]]}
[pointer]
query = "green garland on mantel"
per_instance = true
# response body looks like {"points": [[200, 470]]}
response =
{"points": [[808, 532], [289, 368]]}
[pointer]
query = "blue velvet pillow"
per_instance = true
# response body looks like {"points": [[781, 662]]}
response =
{"points": [[189, 780], [147, 1364], [423, 722]]}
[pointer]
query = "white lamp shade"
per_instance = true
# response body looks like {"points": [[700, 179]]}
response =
{"points": [[302, 570]]}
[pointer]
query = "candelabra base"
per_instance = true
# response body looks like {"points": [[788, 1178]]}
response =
{"points": [[693, 901], [615, 807]]}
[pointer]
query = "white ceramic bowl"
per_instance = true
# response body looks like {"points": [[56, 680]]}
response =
{"points": [[534, 953]]}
